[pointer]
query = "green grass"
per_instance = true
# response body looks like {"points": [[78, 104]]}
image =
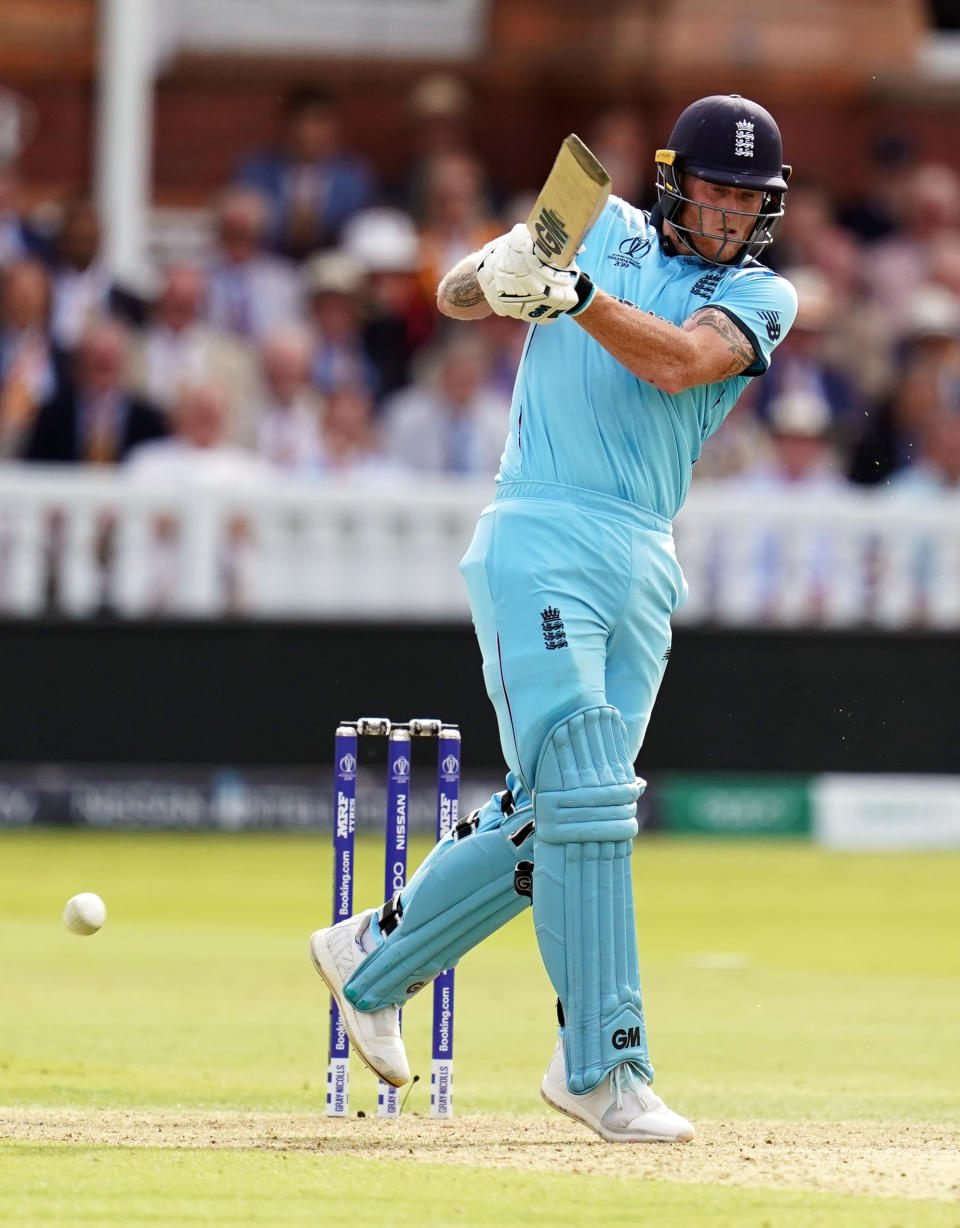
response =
{"points": [[781, 982], [50, 1185]]}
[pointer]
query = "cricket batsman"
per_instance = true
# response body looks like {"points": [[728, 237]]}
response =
{"points": [[635, 355]]}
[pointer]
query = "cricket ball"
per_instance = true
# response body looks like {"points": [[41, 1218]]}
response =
{"points": [[84, 913]]}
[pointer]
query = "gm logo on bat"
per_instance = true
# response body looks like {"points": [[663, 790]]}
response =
{"points": [[551, 232]]}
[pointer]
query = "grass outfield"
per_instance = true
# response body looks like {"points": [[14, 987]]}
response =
{"points": [[803, 1011]]}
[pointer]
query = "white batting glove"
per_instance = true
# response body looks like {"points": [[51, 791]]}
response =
{"points": [[515, 282]]}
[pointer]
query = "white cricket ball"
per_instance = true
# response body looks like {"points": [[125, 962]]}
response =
{"points": [[84, 913]]}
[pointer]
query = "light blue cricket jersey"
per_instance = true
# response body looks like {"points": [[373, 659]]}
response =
{"points": [[581, 419]]}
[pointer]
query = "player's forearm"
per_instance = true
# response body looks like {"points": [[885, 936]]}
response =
{"points": [[654, 350], [459, 295]]}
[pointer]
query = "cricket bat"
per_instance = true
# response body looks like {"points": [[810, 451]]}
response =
{"points": [[569, 203]]}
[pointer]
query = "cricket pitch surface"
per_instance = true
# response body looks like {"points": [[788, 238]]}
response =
{"points": [[909, 1161]]}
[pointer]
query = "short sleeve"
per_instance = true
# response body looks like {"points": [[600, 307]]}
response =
{"points": [[763, 305]]}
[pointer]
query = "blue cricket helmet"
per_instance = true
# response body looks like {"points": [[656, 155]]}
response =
{"points": [[732, 141]]}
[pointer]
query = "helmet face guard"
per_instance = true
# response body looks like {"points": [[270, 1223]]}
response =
{"points": [[732, 251], [732, 142]]}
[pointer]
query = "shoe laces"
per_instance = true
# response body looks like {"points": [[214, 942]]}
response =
{"points": [[625, 1078]]}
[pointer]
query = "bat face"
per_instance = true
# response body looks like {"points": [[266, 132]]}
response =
{"points": [[569, 203]]}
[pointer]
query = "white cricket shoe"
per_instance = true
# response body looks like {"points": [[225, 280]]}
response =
{"points": [[375, 1035], [622, 1109]]}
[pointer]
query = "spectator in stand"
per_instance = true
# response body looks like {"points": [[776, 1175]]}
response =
{"points": [[811, 238], [351, 444], [18, 239], [457, 220], [934, 473], [333, 283], [904, 262], [804, 370], [811, 244], [927, 383], [32, 369], [803, 362], [937, 467], [178, 346], [198, 449], [198, 454], [94, 417], [740, 445], [312, 183], [399, 320], [880, 208], [437, 118], [789, 578], [454, 421], [83, 287], [290, 415], [945, 261], [801, 429], [619, 139], [251, 293]]}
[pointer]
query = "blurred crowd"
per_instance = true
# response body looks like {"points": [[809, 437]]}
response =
{"points": [[306, 340]]}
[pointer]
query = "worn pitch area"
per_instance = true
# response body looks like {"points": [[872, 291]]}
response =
{"points": [[906, 1161]]}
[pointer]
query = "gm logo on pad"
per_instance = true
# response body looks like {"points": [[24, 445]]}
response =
{"points": [[624, 1038]]}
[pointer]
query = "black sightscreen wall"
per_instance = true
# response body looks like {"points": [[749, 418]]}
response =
{"points": [[256, 693]]}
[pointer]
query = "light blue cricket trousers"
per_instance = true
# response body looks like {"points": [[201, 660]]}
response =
{"points": [[571, 594]]}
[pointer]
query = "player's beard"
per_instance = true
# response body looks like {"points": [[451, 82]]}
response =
{"points": [[695, 231], [727, 251]]}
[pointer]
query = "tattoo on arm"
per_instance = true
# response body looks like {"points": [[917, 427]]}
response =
{"points": [[742, 353], [460, 286]]}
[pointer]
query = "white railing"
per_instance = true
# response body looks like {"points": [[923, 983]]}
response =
{"points": [[76, 542], [857, 557]]}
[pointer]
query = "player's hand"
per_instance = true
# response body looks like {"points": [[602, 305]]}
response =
{"points": [[515, 282]]}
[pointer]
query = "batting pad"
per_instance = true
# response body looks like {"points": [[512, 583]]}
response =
{"points": [[462, 892], [585, 803]]}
